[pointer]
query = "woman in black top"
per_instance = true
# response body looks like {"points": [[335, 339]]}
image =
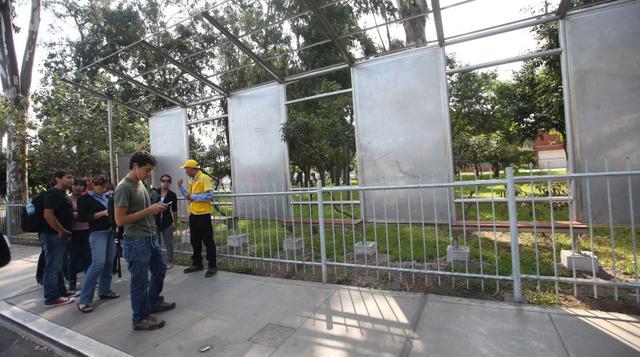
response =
{"points": [[165, 220], [92, 208]]}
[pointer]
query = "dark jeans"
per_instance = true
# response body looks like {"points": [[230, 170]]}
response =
{"points": [[53, 279], [166, 235], [201, 231], [143, 254], [79, 255]]}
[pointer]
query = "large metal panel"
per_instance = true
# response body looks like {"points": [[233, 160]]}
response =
{"points": [[603, 71], [403, 133], [169, 143], [259, 157]]}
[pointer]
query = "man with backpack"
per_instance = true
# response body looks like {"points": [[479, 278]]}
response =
{"points": [[54, 233]]}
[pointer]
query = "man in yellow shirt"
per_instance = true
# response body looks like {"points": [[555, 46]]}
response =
{"points": [[199, 194]]}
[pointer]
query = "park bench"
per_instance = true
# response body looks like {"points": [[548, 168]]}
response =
{"points": [[289, 224], [230, 222]]}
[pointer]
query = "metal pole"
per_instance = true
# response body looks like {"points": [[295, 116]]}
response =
{"points": [[323, 246], [513, 228], [112, 158]]}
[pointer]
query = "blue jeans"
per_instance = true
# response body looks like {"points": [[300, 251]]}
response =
{"points": [[53, 279], [143, 254], [103, 250]]}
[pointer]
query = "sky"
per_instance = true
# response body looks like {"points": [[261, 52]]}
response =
{"points": [[457, 20]]}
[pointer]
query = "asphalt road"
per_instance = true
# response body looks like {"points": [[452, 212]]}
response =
{"points": [[14, 345]]}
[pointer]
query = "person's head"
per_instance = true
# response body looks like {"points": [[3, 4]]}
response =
{"points": [[63, 179], [191, 167], [88, 179], [78, 187], [165, 181], [100, 184], [141, 164]]}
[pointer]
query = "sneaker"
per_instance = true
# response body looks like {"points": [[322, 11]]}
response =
{"points": [[193, 268], [163, 306], [148, 323], [63, 300], [71, 293], [211, 272]]}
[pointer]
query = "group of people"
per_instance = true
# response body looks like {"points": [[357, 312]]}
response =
{"points": [[84, 225]]}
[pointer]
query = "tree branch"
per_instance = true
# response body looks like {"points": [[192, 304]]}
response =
{"points": [[30, 50]]}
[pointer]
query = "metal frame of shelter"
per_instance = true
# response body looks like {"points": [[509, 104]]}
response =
{"points": [[315, 8]]}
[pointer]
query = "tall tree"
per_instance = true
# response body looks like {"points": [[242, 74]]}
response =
{"points": [[16, 86]]}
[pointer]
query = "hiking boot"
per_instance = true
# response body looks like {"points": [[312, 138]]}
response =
{"points": [[211, 272], [62, 300], [163, 306], [148, 323], [193, 268]]}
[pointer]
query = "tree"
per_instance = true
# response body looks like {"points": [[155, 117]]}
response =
{"points": [[16, 86]]}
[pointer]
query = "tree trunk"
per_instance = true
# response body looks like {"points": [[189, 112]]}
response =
{"points": [[16, 85], [413, 28], [17, 156]]}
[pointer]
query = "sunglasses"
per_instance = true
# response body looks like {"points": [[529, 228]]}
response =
{"points": [[165, 181]]}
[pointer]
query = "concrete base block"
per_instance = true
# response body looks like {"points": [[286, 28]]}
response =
{"points": [[185, 236], [361, 249], [459, 253], [293, 244], [238, 240], [582, 261]]}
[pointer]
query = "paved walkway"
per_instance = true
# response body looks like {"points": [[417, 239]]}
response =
{"points": [[242, 315]]}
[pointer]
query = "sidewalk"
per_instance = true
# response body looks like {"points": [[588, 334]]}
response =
{"points": [[243, 315]]}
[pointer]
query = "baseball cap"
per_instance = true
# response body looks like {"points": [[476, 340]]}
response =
{"points": [[190, 164]]}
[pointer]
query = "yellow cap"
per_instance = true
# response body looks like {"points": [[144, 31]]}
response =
{"points": [[190, 164]]}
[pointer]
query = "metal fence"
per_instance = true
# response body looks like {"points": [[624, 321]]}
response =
{"points": [[498, 234]]}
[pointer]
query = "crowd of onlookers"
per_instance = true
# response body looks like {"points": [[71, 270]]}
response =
{"points": [[84, 218]]}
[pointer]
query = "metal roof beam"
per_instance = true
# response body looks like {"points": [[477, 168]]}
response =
{"points": [[437, 16], [106, 97], [143, 86], [267, 66], [563, 7], [315, 7], [192, 72]]}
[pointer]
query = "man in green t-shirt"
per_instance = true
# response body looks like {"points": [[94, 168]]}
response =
{"points": [[141, 249]]}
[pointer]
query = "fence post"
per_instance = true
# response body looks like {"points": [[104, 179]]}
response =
{"points": [[513, 229], [323, 247]]}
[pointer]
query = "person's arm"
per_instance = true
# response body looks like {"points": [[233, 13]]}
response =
{"points": [[53, 222], [202, 197], [123, 218], [121, 201], [174, 203], [51, 202]]}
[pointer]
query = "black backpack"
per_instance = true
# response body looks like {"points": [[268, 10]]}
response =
{"points": [[34, 222]]}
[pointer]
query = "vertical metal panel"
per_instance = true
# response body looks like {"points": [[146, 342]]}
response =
{"points": [[603, 67], [402, 130], [259, 157], [169, 143]]}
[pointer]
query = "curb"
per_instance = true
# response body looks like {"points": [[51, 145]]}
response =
{"points": [[62, 340]]}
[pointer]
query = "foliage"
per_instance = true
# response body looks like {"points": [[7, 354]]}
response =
{"points": [[73, 134]]}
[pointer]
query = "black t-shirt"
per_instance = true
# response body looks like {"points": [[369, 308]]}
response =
{"points": [[59, 202]]}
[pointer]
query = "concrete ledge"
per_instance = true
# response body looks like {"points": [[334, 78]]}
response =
{"points": [[56, 334], [584, 261]]}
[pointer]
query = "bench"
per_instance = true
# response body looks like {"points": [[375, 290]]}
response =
{"points": [[527, 226], [231, 222], [289, 224], [578, 228]]}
